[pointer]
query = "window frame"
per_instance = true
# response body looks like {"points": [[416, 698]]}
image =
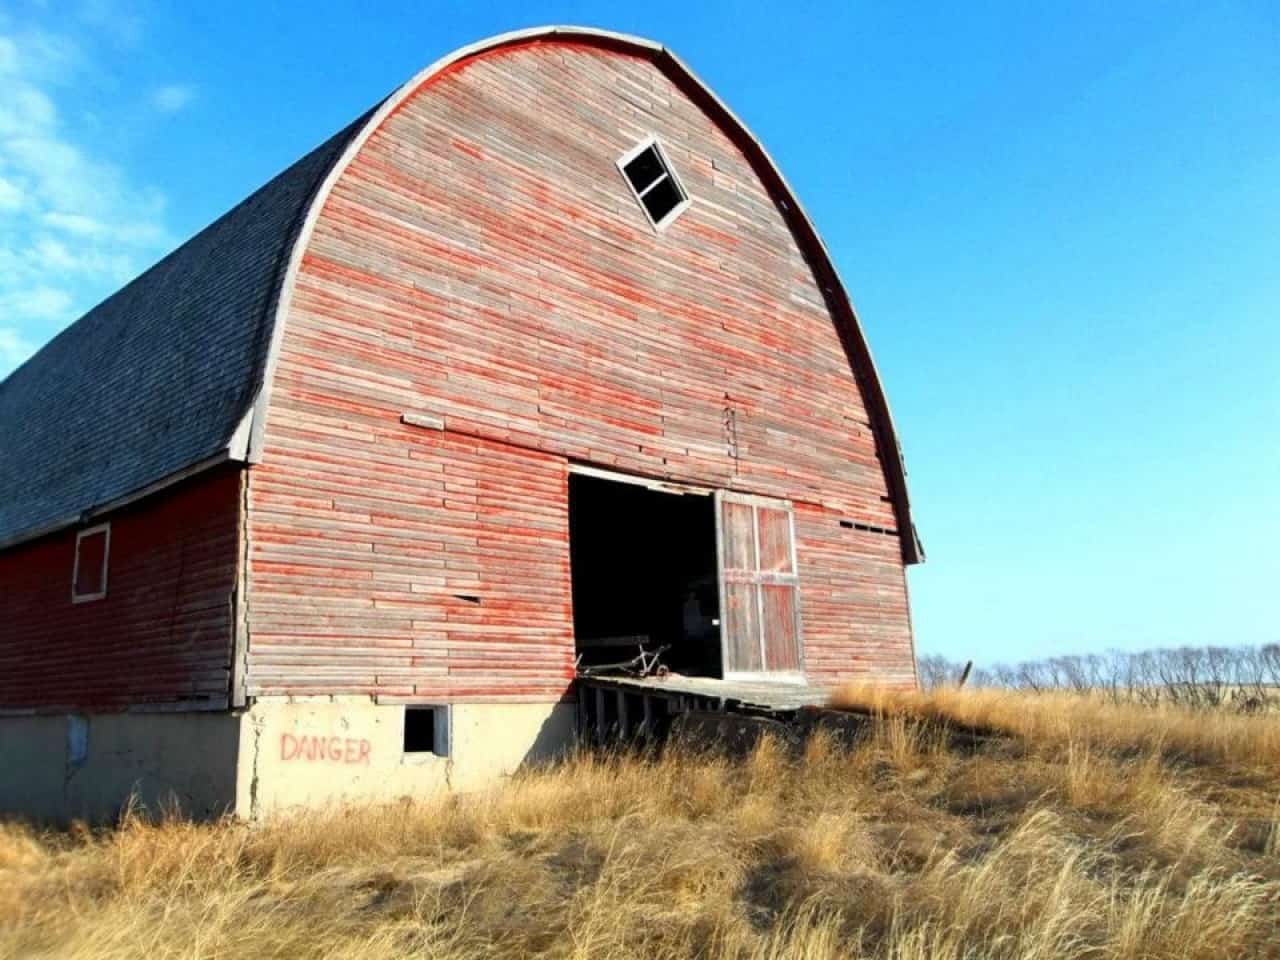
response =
{"points": [[105, 530], [651, 140], [441, 729]]}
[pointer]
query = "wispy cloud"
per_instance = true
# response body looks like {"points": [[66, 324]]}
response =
{"points": [[73, 225], [172, 98], [38, 303], [10, 196], [14, 348], [118, 19]]}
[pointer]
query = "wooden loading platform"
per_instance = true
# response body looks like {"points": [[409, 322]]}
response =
{"points": [[620, 710], [625, 709]]}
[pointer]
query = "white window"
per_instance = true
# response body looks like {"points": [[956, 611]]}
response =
{"points": [[426, 731], [653, 180], [89, 571]]}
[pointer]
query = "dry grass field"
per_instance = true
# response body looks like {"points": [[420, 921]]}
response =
{"points": [[1090, 831]]}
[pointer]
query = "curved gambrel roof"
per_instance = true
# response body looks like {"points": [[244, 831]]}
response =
{"points": [[173, 373], [154, 383]]}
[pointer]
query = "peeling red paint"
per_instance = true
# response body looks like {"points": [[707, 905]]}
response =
{"points": [[517, 294], [163, 631]]}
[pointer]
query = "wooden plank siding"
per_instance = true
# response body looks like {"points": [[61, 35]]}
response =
{"points": [[853, 602], [482, 263], [442, 577], [163, 632]]}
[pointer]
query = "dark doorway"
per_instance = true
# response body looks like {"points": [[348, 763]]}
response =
{"points": [[644, 571]]}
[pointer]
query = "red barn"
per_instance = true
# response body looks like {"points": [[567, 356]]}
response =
{"points": [[536, 362]]}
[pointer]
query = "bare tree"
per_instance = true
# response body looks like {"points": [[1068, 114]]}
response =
{"points": [[1204, 678]]}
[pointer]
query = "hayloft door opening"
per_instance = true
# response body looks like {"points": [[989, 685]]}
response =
{"points": [[643, 569], [760, 588]]}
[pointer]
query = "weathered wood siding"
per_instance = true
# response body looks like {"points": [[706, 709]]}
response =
{"points": [[163, 632], [482, 262], [853, 602]]}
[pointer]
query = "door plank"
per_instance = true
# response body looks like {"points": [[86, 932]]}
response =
{"points": [[759, 586]]}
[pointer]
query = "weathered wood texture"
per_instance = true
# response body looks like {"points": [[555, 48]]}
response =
{"points": [[759, 626], [413, 564], [162, 634], [482, 263], [853, 602]]}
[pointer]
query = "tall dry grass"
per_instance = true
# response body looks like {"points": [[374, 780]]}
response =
{"points": [[899, 847], [1058, 718]]}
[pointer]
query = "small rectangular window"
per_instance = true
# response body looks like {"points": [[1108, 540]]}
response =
{"points": [[426, 731], [654, 182], [645, 169], [89, 569], [661, 200]]}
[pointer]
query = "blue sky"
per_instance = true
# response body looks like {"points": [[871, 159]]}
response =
{"points": [[1060, 223]]}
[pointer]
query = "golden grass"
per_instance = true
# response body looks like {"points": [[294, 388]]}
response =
{"points": [[1091, 838], [1055, 719]]}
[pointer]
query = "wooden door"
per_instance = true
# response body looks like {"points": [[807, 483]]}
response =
{"points": [[759, 588]]}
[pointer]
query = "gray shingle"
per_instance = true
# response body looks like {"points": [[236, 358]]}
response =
{"points": [[157, 377]]}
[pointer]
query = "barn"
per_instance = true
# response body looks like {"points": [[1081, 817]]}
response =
{"points": [[536, 364]]}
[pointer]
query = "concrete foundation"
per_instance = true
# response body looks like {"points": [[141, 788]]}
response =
{"points": [[62, 768], [310, 754], [275, 756]]}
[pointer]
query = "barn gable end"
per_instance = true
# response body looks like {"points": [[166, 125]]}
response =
{"points": [[479, 265]]}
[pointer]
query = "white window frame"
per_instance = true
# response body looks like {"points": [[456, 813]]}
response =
{"points": [[105, 529], [442, 732], [652, 141]]}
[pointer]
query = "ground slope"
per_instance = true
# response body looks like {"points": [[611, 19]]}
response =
{"points": [[1091, 831]]}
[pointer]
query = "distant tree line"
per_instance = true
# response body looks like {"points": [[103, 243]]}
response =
{"points": [[1243, 678]]}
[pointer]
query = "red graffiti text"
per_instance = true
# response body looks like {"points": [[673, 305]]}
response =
{"points": [[324, 749]]}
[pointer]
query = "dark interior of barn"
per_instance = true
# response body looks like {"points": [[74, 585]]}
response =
{"points": [[644, 571]]}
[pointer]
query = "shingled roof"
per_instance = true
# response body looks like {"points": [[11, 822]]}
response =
{"points": [[158, 377]]}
